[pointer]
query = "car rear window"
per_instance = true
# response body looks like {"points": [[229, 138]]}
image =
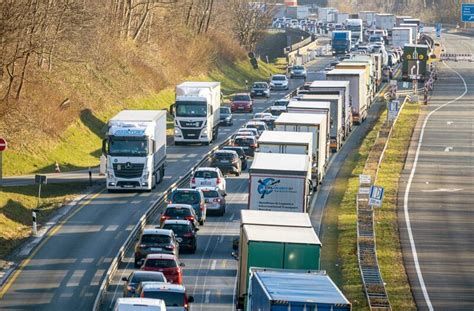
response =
{"points": [[211, 194], [171, 299], [224, 156], [259, 85], [155, 239], [259, 127], [238, 150], [177, 228], [206, 174], [177, 212], [244, 141], [161, 263], [185, 197], [241, 98], [281, 103], [145, 277]]}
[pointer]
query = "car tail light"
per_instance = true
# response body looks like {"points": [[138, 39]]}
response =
{"points": [[202, 207], [218, 180], [180, 279], [169, 247], [253, 145], [193, 180], [163, 218], [190, 218], [217, 200], [188, 235], [142, 295]]}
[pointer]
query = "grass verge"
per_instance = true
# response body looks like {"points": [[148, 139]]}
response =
{"points": [[17, 203], [386, 226]]}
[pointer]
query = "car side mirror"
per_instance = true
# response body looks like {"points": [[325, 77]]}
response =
{"points": [[196, 229], [224, 195], [181, 264], [125, 279], [190, 299]]}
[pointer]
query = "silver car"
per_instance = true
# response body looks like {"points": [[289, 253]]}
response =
{"points": [[214, 200]]}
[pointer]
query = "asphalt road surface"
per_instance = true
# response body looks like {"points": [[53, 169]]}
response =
{"points": [[65, 271], [437, 211]]}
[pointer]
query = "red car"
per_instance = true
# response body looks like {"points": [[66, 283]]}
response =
{"points": [[167, 264], [241, 102]]}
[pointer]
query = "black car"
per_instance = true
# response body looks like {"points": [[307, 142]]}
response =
{"points": [[226, 116], [155, 241], [136, 277], [241, 152], [260, 89], [227, 161], [185, 233], [179, 211], [248, 143], [193, 197]]}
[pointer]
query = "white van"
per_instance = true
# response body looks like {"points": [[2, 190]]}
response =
{"points": [[139, 304]]}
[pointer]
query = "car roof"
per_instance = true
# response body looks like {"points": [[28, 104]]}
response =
{"points": [[159, 286], [161, 256], [142, 272], [186, 190], [245, 137], [279, 75], [255, 123], [232, 148], [207, 168], [246, 129], [156, 231], [177, 222], [225, 152], [209, 188], [180, 205], [259, 82], [241, 94]]}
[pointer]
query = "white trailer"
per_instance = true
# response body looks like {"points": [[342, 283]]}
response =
{"points": [[280, 182], [196, 112], [368, 17], [286, 142], [342, 17], [366, 63], [340, 88], [414, 31], [135, 147], [358, 90], [400, 19], [326, 15], [315, 124], [402, 36], [385, 21], [357, 29], [336, 131]]}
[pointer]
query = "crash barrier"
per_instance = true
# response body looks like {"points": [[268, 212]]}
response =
{"points": [[457, 57]]}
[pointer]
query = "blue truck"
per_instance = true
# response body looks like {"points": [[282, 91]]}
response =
{"points": [[295, 290], [341, 42]]}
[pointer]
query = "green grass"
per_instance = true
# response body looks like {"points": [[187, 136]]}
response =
{"points": [[388, 241], [16, 204]]}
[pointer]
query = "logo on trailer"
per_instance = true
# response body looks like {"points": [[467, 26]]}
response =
{"points": [[265, 186]]}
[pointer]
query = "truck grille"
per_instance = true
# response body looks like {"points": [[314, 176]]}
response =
{"points": [[190, 123], [128, 170], [191, 134]]}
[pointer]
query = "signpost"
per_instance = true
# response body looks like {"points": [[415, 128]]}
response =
{"points": [[376, 196], [438, 30], [40, 180], [393, 108], [467, 12], [3, 147]]}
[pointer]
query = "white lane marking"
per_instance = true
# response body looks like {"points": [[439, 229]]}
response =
{"points": [[443, 190], [407, 192], [231, 217], [213, 265], [208, 294], [449, 122], [448, 149], [221, 239]]}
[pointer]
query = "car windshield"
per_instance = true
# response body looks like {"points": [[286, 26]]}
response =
{"points": [[206, 174], [211, 194], [225, 110], [178, 229], [147, 277], [241, 98], [244, 141], [298, 68], [260, 85], [177, 212], [128, 146], [171, 299], [186, 197], [259, 127], [276, 113], [155, 239], [279, 78], [160, 263], [281, 103], [191, 109]]}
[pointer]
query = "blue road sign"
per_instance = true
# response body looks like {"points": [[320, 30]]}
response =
{"points": [[438, 30], [467, 12], [376, 196]]}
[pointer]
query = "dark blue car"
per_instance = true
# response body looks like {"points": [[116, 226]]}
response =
{"points": [[193, 197]]}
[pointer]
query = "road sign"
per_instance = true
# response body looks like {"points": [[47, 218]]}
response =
{"points": [[365, 180], [376, 196], [467, 12], [40, 179], [3, 144], [393, 108], [438, 30]]}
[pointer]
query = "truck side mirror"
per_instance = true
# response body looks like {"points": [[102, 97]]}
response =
{"points": [[190, 299], [172, 109], [104, 146]]}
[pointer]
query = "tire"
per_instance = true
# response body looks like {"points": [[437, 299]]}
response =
{"points": [[238, 173], [162, 173], [137, 266], [201, 222]]}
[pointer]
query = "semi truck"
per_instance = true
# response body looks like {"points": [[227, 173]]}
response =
{"points": [[135, 149], [336, 131], [342, 17], [272, 218], [385, 21], [327, 15], [414, 31], [358, 90], [356, 28], [415, 60], [277, 289], [341, 42], [401, 36], [367, 65], [280, 182], [368, 18], [196, 112], [279, 247], [340, 88], [286, 142], [315, 124]]}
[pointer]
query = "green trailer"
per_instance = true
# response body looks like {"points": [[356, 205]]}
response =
{"points": [[273, 246], [411, 54]]}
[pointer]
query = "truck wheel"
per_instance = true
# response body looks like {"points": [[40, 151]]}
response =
{"points": [[162, 173], [154, 180]]}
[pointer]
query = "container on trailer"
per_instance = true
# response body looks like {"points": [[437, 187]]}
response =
{"points": [[368, 17], [400, 19], [401, 36], [366, 64], [286, 142], [414, 31], [385, 21], [278, 289], [274, 218], [342, 17]]}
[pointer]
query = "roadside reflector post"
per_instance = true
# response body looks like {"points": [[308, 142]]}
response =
{"points": [[90, 176], [35, 228]]}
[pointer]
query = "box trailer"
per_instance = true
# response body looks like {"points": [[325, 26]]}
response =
{"points": [[385, 21], [315, 124], [286, 142], [401, 36], [414, 31], [279, 289], [280, 182], [368, 17], [366, 64], [336, 131], [278, 247], [400, 19], [274, 218], [358, 90]]}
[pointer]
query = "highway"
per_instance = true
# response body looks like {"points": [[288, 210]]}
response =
{"points": [[64, 272], [436, 214]]}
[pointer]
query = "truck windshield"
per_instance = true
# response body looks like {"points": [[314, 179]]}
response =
{"points": [[128, 147], [191, 109]]}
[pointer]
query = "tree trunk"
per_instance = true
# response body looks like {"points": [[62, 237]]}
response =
{"points": [[22, 76]]}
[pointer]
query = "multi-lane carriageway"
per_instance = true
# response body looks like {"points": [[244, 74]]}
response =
{"points": [[65, 271]]}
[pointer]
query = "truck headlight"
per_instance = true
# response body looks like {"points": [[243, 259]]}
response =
{"points": [[272, 84], [204, 131], [110, 174], [146, 175]]}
